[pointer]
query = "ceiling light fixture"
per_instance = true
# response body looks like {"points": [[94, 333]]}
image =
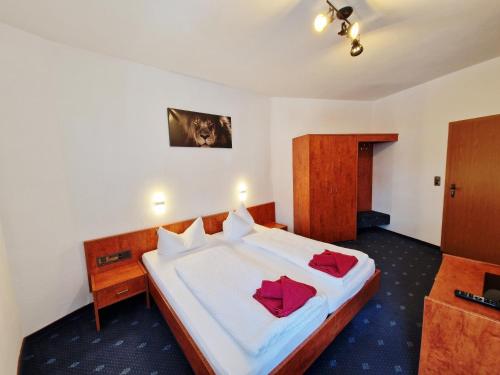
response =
{"points": [[347, 29]]}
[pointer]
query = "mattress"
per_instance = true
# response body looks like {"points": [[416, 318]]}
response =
{"points": [[222, 352]]}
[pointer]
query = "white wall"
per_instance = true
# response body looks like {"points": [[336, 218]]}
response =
{"points": [[404, 172], [294, 117], [83, 146], [10, 327]]}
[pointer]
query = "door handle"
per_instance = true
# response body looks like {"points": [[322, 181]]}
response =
{"points": [[453, 190]]}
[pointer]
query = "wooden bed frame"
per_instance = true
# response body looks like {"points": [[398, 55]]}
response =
{"points": [[145, 240]]}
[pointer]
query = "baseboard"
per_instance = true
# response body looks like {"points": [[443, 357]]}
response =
{"points": [[58, 321], [410, 238]]}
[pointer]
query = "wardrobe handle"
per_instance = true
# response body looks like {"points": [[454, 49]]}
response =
{"points": [[453, 190]]}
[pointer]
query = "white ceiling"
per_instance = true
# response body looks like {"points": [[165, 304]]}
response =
{"points": [[269, 46]]}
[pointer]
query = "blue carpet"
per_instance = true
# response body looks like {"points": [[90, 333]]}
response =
{"points": [[384, 338]]}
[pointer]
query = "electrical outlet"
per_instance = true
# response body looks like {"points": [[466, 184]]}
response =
{"points": [[437, 180]]}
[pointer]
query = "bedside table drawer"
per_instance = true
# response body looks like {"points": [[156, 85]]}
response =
{"points": [[120, 291]]}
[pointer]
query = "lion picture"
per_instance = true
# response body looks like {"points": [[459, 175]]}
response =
{"points": [[195, 129]]}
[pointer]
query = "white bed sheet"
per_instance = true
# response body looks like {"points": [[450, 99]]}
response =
{"points": [[223, 353], [300, 250], [223, 280], [336, 295]]}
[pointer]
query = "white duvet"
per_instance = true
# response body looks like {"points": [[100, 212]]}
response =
{"points": [[224, 283], [300, 250]]}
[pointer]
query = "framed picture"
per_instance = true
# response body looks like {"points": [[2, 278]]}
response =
{"points": [[195, 129]]}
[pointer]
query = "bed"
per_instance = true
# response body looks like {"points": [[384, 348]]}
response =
{"points": [[207, 345]]}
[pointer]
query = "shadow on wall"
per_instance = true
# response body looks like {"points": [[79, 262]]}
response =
{"points": [[382, 177]]}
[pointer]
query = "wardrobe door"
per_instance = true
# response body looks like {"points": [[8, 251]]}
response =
{"points": [[321, 175], [301, 186], [333, 176], [345, 161]]}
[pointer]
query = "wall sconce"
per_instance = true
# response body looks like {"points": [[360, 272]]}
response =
{"points": [[159, 206], [243, 192]]}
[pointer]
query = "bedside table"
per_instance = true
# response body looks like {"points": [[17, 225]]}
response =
{"points": [[116, 285], [276, 225]]}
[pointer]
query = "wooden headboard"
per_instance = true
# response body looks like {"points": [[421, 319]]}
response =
{"points": [[144, 240]]}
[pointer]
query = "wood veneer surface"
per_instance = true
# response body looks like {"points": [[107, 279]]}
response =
{"points": [[341, 217], [464, 274], [325, 177], [274, 225], [141, 241], [365, 176], [378, 138], [119, 292], [301, 186], [471, 217], [332, 181], [112, 277], [458, 336], [321, 188], [363, 137], [455, 341]]}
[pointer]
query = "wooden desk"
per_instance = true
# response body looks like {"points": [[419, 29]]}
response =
{"points": [[116, 285], [458, 336]]}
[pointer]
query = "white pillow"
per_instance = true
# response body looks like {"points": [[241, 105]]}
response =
{"points": [[195, 236], [245, 215], [235, 227], [170, 243]]}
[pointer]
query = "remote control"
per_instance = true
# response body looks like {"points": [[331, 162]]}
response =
{"points": [[477, 299]]}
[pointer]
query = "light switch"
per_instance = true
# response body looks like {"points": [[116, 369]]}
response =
{"points": [[437, 180]]}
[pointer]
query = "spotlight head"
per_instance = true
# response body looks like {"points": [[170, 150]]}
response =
{"points": [[320, 22], [356, 48], [354, 31], [344, 13]]}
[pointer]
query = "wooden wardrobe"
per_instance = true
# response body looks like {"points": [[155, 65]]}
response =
{"points": [[332, 181]]}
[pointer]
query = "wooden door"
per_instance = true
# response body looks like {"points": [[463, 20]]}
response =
{"points": [[333, 175], [471, 215]]}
